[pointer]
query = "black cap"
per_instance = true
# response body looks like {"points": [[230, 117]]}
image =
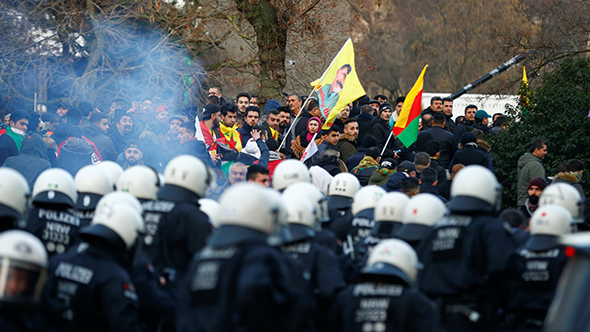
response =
{"points": [[388, 163], [406, 166], [468, 138], [209, 110], [385, 106]]}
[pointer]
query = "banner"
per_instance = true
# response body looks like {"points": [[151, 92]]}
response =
{"points": [[339, 85]]}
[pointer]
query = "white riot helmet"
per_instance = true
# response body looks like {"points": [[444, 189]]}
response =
{"points": [[390, 207], [118, 197], [421, 212], [342, 190], [314, 195], [119, 224], [547, 223], [115, 170], [565, 195], [251, 206], [23, 266], [301, 216], [288, 172], [366, 198], [475, 189], [140, 181], [187, 173], [393, 257], [210, 208], [92, 183], [14, 193], [55, 186]]}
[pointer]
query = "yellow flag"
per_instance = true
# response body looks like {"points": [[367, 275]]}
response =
{"points": [[339, 85]]}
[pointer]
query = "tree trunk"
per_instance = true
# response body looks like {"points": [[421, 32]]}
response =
{"points": [[271, 39]]}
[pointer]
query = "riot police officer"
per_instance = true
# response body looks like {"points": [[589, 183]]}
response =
{"points": [[386, 300], [14, 198], [288, 172], [466, 255], [363, 209], [421, 212], [51, 217], [341, 194], [92, 183], [176, 228], [388, 215], [89, 288], [543, 261], [319, 262], [140, 181], [22, 274], [238, 282], [112, 168]]}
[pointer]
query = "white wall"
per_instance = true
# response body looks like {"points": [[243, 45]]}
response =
{"points": [[489, 103]]}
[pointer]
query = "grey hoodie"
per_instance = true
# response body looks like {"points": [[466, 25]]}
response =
{"points": [[32, 159]]}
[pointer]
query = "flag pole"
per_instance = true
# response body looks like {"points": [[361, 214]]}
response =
{"points": [[386, 143], [294, 120]]}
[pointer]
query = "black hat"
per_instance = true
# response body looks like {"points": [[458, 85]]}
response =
{"points": [[374, 101], [389, 163], [407, 167], [209, 110], [385, 106], [368, 141], [133, 144], [468, 138]]}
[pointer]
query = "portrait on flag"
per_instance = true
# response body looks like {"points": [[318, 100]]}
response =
{"points": [[338, 86]]}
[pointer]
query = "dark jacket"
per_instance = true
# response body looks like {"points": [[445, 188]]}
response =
{"points": [[441, 172], [330, 164], [428, 111], [62, 132], [450, 124], [246, 133], [565, 178], [462, 128], [364, 122], [470, 155], [302, 123], [32, 159], [381, 131], [197, 148], [74, 154], [8, 147], [103, 143], [481, 127], [120, 142], [447, 144], [365, 175], [347, 146]]}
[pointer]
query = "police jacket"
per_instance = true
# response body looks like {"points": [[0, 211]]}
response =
{"points": [[239, 283], [55, 225], [88, 289], [383, 307], [462, 254], [176, 229], [533, 291]]}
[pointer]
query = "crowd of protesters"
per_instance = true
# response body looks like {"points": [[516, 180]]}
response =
{"points": [[141, 217]]}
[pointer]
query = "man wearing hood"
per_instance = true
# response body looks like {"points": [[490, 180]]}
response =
{"points": [[382, 131], [572, 175], [529, 167], [32, 159], [534, 191]]}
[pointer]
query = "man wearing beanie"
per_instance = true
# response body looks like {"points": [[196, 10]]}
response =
{"points": [[534, 190]]}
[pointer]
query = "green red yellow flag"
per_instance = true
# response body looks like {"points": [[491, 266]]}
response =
{"points": [[339, 85], [406, 126], [525, 92]]}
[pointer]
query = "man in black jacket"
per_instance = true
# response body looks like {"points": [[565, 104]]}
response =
{"points": [[444, 138], [465, 126], [96, 132], [364, 121]]}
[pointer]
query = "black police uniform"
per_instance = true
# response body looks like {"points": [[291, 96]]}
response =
{"points": [[239, 283], [380, 231], [55, 225], [320, 263], [383, 307], [85, 206], [87, 289], [531, 295], [176, 229], [466, 258], [412, 234]]}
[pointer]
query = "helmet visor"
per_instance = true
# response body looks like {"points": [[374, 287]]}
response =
{"points": [[20, 282]]}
